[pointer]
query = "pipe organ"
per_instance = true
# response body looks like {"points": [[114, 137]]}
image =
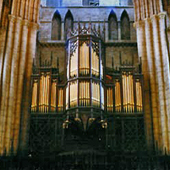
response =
{"points": [[125, 94], [86, 86]]}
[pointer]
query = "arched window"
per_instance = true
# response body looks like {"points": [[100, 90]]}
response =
{"points": [[125, 26], [68, 25], [56, 27], [85, 2], [113, 26]]}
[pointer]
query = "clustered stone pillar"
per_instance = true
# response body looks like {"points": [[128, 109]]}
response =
{"points": [[155, 69], [143, 57], [16, 55]]}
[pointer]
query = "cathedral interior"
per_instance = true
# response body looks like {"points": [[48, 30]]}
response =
{"points": [[84, 84]]}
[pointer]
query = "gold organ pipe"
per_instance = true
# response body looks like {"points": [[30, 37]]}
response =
{"points": [[95, 63], [45, 93], [60, 100], [84, 59], [118, 97], [34, 97], [128, 97], [74, 60], [40, 93], [138, 96], [109, 99], [53, 96]]}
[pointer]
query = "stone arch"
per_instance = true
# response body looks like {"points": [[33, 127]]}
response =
{"points": [[125, 26], [68, 23], [112, 26], [56, 27]]}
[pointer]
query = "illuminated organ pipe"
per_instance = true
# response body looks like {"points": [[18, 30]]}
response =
{"points": [[95, 63], [44, 93], [117, 97], [84, 93], [73, 94], [110, 99], [101, 69], [128, 92], [102, 97], [84, 60], [139, 104], [60, 99], [73, 64], [53, 95], [34, 96], [95, 94], [67, 97]]}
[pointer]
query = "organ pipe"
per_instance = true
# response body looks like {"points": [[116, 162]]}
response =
{"points": [[74, 64], [101, 69], [139, 104], [110, 99], [44, 93], [117, 97], [102, 97], [67, 97], [60, 99], [95, 63], [84, 59], [84, 93], [73, 94], [34, 96], [53, 96], [128, 93], [95, 94]]}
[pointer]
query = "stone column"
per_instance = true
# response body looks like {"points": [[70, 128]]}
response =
{"points": [[2, 48], [160, 81], [165, 63], [6, 81], [107, 32], [119, 30], [62, 31], [140, 27], [22, 64], [13, 85], [1, 3], [154, 92], [26, 99]]}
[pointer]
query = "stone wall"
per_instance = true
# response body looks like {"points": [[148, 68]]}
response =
{"points": [[97, 16]]}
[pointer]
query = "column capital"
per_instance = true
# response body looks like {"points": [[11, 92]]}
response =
{"points": [[139, 24], [18, 20], [12, 18], [154, 18], [25, 23], [162, 15], [34, 25], [147, 20]]}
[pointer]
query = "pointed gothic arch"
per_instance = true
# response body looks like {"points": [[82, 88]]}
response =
{"points": [[56, 27], [125, 26], [68, 23], [112, 26]]}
